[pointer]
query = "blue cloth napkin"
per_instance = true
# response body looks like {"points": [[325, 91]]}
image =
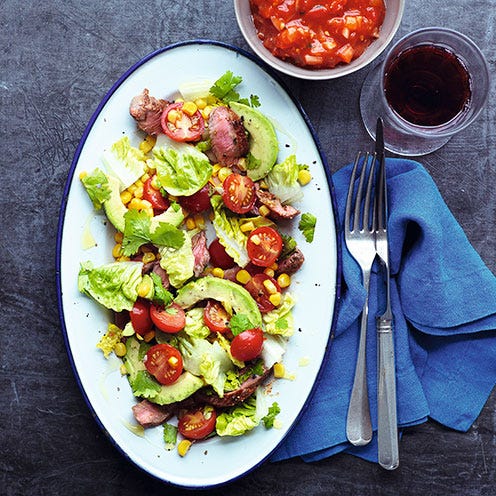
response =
{"points": [[444, 305]]}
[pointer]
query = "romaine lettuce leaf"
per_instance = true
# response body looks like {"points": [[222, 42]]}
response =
{"points": [[209, 360], [283, 181], [113, 285], [97, 187], [124, 162], [195, 326], [181, 168], [280, 320], [228, 230], [179, 263]]}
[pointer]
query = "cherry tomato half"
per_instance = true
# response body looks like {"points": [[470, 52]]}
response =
{"points": [[140, 317], [180, 126], [219, 256], [170, 319], [159, 203], [216, 317], [198, 202], [264, 245], [164, 362], [197, 424], [257, 287], [247, 345], [239, 193]]}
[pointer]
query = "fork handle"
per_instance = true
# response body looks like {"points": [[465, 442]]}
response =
{"points": [[358, 423], [387, 426]]}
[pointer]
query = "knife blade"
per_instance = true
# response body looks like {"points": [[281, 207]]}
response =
{"points": [[387, 426]]}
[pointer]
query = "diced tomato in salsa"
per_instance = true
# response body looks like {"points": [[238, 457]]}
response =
{"points": [[318, 34]]}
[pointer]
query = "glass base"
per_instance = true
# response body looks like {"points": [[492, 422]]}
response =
{"points": [[396, 140]]}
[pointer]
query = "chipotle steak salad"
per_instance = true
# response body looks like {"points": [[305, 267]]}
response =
{"points": [[200, 282]]}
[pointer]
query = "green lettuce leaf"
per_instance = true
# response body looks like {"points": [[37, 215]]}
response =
{"points": [[181, 168], [97, 187], [283, 181], [205, 359], [113, 285], [195, 326], [124, 162], [280, 320], [179, 263], [228, 230]]}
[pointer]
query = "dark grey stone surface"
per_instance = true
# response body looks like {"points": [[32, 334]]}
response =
{"points": [[58, 59]]}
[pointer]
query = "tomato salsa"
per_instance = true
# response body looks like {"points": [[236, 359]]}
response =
{"points": [[317, 34]]}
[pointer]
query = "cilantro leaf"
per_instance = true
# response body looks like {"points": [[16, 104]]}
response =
{"points": [[239, 323], [160, 294], [268, 420], [223, 88], [307, 226], [288, 246], [137, 233], [170, 436], [167, 235]]}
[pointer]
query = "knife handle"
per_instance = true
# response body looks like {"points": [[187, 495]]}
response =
{"points": [[387, 425]]}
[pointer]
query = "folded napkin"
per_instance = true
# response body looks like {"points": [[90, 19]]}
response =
{"points": [[444, 306]]}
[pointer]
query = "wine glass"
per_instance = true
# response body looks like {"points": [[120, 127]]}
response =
{"points": [[432, 84]]}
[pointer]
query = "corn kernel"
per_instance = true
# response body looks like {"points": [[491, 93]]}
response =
{"points": [[82, 175], [274, 266], [135, 204], [264, 210], [123, 259], [132, 188], [268, 271], [154, 183], [190, 223], [200, 103], [189, 108], [147, 144], [144, 287], [138, 193], [146, 204], [118, 236], [172, 116], [243, 276], [184, 446], [205, 112], [304, 177], [145, 177], [275, 299], [148, 257], [126, 197], [215, 169], [148, 336], [223, 173], [218, 272], [120, 349], [149, 211], [270, 286], [284, 280], [279, 370], [263, 184], [247, 226], [173, 362], [117, 250]]}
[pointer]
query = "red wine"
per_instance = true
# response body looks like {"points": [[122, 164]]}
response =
{"points": [[427, 85]]}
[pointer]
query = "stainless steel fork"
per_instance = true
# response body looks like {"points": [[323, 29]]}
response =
{"points": [[359, 230]]}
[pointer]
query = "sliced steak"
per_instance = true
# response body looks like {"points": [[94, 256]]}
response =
{"points": [[227, 135], [147, 111], [157, 269], [292, 263], [200, 252], [149, 414], [277, 209], [235, 397]]}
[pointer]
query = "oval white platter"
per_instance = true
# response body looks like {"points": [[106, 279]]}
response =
{"points": [[217, 460]]}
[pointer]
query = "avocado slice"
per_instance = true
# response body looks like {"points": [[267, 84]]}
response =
{"points": [[113, 206], [263, 140], [143, 384], [227, 292]]}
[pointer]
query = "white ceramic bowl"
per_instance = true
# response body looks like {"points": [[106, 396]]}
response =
{"points": [[394, 13]]}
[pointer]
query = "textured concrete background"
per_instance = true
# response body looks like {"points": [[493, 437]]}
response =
{"points": [[58, 59]]}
